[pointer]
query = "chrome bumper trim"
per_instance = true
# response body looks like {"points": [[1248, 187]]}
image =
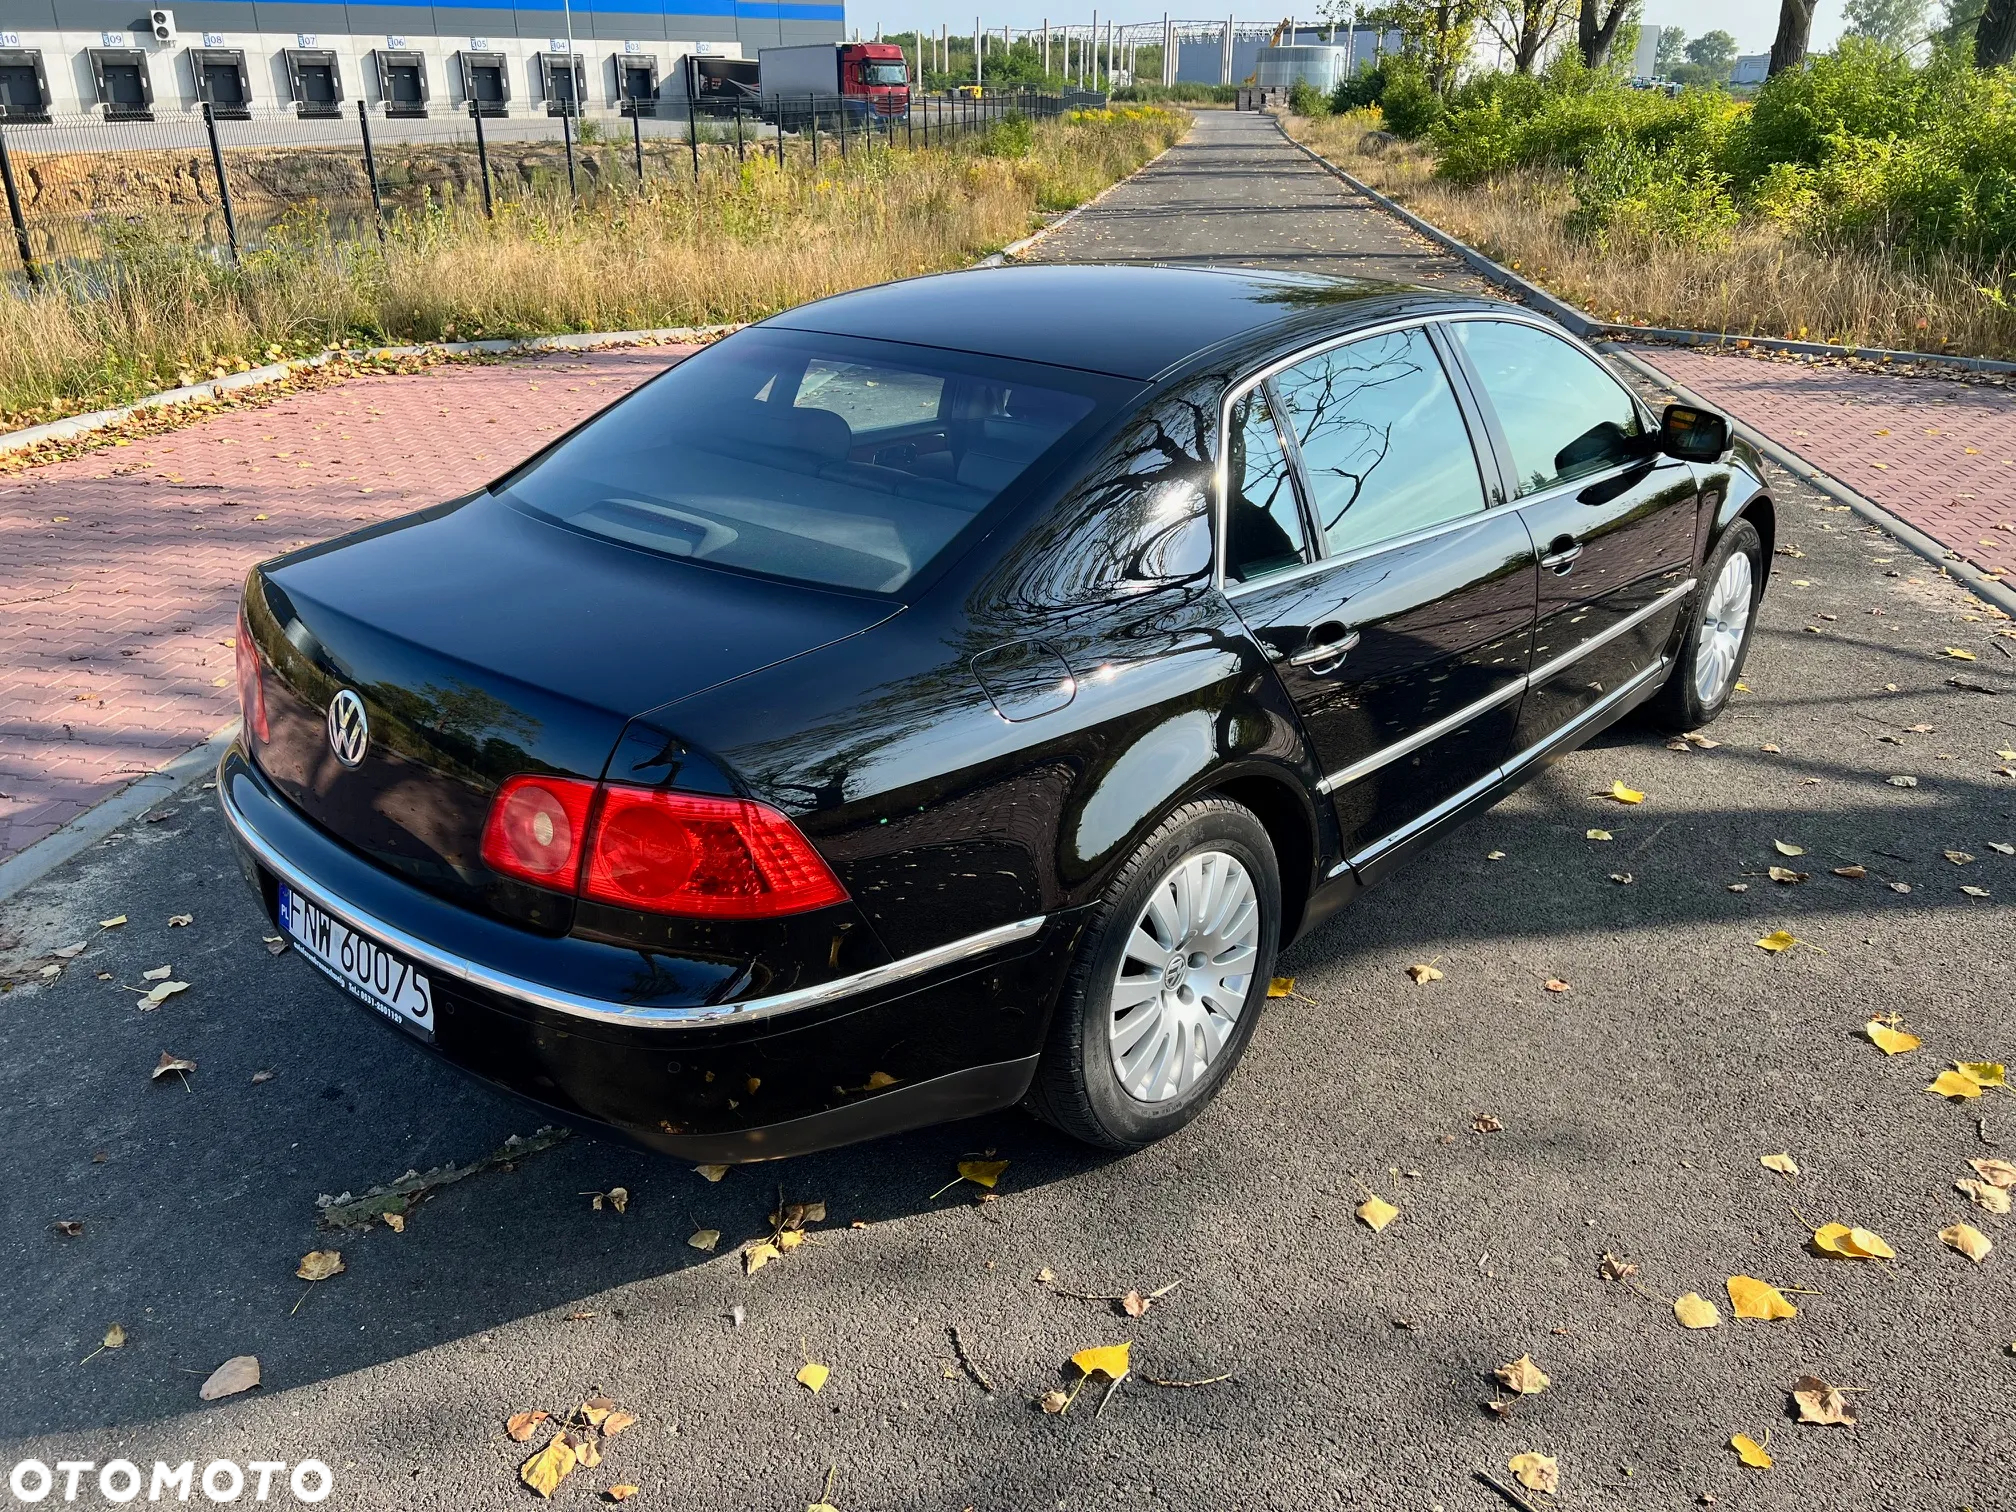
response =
{"points": [[1407, 745], [704, 1015]]}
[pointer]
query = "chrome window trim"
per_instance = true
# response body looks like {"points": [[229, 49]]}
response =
{"points": [[1500, 774], [1407, 745], [706, 1015]]}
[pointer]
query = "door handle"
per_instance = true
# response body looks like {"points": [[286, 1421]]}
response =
{"points": [[1561, 555], [1328, 651]]}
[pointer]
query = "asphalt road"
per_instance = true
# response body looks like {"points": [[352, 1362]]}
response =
{"points": [[1630, 1112]]}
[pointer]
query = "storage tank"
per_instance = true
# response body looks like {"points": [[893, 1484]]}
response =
{"points": [[1283, 67]]}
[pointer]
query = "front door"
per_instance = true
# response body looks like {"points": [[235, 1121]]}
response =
{"points": [[1613, 521], [1403, 640]]}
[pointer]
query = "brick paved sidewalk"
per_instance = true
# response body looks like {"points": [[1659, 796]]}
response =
{"points": [[1939, 454], [120, 570]]}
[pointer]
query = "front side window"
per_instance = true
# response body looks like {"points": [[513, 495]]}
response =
{"points": [[1263, 520], [1563, 415], [1384, 447], [824, 459]]}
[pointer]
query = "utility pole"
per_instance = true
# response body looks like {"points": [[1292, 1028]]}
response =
{"points": [[979, 41], [1046, 47], [1092, 60]]}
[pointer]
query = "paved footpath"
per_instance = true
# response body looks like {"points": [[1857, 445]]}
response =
{"points": [[1523, 1133]]}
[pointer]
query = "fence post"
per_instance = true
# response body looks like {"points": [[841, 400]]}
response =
{"points": [[14, 214], [692, 128], [812, 109], [482, 159], [370, 164], [567, 141], [637, 138], [223, 183], [738, 128]]}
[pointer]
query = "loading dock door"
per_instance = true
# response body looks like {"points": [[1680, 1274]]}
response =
{"points": [[318, 87], [562, 85], [24, 91], [637, 84], [485, 82], [402, 82], [124, 87], [222, 82]]}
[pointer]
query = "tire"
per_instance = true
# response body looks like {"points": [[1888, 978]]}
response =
{"points": [[1079, 1087], [1698, 689]]}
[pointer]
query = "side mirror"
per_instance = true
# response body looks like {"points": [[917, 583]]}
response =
{"points": [[1693, 435]]}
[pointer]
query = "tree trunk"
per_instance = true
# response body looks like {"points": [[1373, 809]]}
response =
{"points": [[1995, 36], [1795, 25], [1595, 36]]}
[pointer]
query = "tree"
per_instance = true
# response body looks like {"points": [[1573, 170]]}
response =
{"points": [[1795, 25], [1896, 23], [1715, 53], [1436, 33], [1524, 28], [1995, 38], [1672, 51], [1596, 33]]}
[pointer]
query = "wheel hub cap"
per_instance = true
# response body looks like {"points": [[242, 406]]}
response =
{"points": [[1184, 977], [1725, 619]]}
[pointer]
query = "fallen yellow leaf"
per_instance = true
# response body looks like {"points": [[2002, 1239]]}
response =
{"points": [[1696, 1311], [1846, 1243], [1784, 1165], [983, 1172], [1761, 1300], [1958, 655], [544, 1471], [1110, 1360], [1598, 834], [1523, 1376], [704, 1239], [1280, 986], [1818, 1402], [1623, 794], [320, 1265], [1995, 1171], [239, 1373], [521, 1425], [877, 1080], [1985, 1195], [1750, 1452], [621, 1493], [1985, 1073], [1955, 1084], [115, 1337], [1890, 1041], [1376, 1212], [1536, 1472], [1777, 940], [1787, 848], [1969, 1240], [1421, 971], [711, 1172], [812, 1376], [757, 1256]]}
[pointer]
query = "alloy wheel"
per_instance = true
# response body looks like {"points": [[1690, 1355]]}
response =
{"points": [[1724, 621], [1184, 975]]}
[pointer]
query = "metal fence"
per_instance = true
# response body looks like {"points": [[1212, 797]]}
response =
{"points": [[80, 188]]}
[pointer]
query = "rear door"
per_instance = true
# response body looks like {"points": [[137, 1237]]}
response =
{"points": [[1399, 620], [1613, 522]]}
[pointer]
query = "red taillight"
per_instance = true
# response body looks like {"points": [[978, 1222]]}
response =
{"points": [[671, 853], [251, 694], [536, 828]]}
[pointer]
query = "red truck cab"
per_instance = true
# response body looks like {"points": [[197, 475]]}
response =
{"points": [[878, 73]]}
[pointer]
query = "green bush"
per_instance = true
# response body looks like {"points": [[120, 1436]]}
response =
{"points": [[1183, 94], [1360, 91], [1305, 99], [1411, 106], [1628, 192]]}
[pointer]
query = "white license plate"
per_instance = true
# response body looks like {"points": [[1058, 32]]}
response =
{"points": [[364, 968]]}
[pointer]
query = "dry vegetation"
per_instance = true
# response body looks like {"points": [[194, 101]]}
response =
{"points": [[743, 242], [1760, 281]]}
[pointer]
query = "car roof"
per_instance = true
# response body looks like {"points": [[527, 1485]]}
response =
{"points": [[1130, 320]]}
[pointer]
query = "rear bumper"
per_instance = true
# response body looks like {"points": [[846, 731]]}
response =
{"points": [[946, 1034]]}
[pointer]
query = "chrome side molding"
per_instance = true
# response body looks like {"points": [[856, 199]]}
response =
{"points": [[704, 1015]]}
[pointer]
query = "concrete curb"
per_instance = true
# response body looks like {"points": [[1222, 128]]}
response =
{"points": [[1589, 328], [198, 393], [1989, 590], [102, 818]]}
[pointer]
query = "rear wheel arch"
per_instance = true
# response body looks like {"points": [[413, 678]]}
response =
{"points": [[1286, 816]]}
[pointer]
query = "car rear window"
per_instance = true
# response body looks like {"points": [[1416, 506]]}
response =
{"points": [[824, 459]]}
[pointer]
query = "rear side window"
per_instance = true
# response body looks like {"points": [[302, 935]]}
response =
{"points": [[823, 459], [1263, 519], [1563, 415], [1384, 447]]}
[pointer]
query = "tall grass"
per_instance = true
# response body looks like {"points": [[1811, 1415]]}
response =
{"points": [[1755, 278], [744, 241]]}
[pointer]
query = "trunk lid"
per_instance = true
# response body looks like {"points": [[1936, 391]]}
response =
{"points": [[483, 642]]}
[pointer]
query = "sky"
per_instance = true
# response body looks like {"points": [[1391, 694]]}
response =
{"points": [[1750, 22]]}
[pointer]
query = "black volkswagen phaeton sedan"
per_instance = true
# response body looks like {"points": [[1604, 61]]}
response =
{"points": [[954, 693]]}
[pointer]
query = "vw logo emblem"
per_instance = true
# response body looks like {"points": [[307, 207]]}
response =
{"points": [[349, 730]]}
